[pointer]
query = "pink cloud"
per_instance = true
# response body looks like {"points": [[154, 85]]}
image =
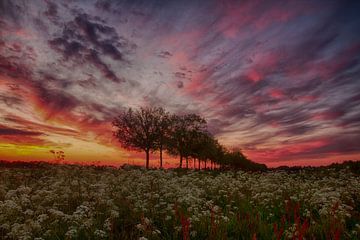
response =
{"points": [[276, 93], [286, 152], [254, 75]]}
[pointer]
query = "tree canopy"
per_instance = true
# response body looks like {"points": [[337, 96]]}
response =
{"points": [[137, 130], [154, 129]]}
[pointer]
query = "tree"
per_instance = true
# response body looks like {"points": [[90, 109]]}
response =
{"points": [[201, 145], [207, 148], [152, 129], [59, 156], [137, 130], [162, 121], [235, 159], [184, 129]]}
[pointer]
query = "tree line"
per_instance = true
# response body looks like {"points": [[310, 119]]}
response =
{"points": [[153, 129]]}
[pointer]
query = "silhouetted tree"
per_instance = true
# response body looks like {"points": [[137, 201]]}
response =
{"points": [[163, 123], [214, 152], [203, 147], [151, 129], [183, 130], [235, 159], [137, 130], [59, 156]]}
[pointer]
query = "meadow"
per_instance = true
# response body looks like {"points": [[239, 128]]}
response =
{"points": [[86, 202]]}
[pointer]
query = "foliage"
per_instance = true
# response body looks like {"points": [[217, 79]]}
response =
{"points": [[59, 156], [237, 160], [186, 136], [137, 130], [185, 131]]}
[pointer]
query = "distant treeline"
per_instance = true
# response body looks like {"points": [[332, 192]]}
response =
{"points": [[353, 165], [153, 129], [22, 164]]}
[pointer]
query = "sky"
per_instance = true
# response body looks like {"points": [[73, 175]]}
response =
{"points": [[278, 79]]}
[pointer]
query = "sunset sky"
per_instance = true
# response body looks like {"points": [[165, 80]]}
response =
{"points": [[278, 79]]}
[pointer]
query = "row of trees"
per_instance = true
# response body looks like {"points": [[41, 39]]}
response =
{"points": [[154, 129]]}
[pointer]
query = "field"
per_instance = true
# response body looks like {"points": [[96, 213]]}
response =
{"points": [[77, 202]]}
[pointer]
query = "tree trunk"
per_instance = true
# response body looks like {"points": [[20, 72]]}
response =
{"points": [[194, 160], [205, 164], [147, 159], [181, 158], [161, 159], [187, 162], [199, 163]]}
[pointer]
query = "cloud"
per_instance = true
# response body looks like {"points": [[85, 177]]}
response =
{"points": [[55, 101], [180, 75], [12, 11], [87, 40], [94, 58], [10, 101], [164, 54], [180, 84], [103, 5], [278, 80], [12, 68], [52, 10], [68, 49], [39, 126], [12, 131], [21, 136], [297, 129]]}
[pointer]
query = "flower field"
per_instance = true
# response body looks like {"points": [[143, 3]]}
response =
{"points": [[78, 202]]}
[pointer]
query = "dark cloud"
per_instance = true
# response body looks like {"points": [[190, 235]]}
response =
{"points": [[93, 57], [103, 5], [39, 126], [86, 37], [94, 30], [52, 9], [305, 88], [297, 129], [284, 116], [180, 75], [91, 29], [180, 84], [108, 113], [164, 54], [26, 137], [67, 48], [335, 145], [216, 126], [10, 101], [12, 131], [109, 49], [13, 68], [238, 111], [12, 11], [90, 82], [347, 112], [54, 101], [351, 121]]}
